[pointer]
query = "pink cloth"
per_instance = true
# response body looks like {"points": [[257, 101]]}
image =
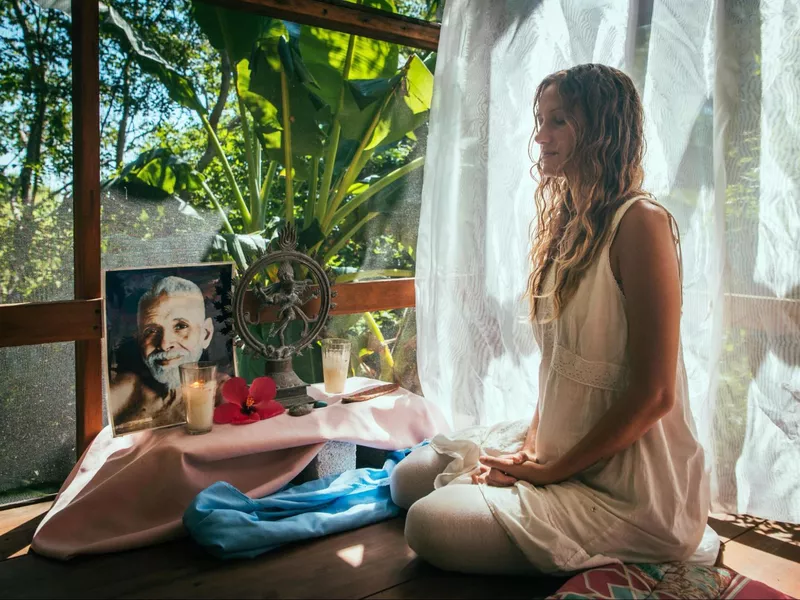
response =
{"points": [[131, 491]]}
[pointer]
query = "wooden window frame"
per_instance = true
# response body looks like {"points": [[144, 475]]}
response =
{"points": [[81, 320]]}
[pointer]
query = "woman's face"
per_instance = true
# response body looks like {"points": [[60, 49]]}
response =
{"points": [[555, 137]]}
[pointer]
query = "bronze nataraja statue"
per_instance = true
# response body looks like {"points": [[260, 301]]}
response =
{"points": [[290, 296]]}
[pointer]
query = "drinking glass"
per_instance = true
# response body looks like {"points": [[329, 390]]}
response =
{"points": [[335, 364]]}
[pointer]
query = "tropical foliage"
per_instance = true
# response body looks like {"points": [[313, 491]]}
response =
{"points": [[313, 108], [259, 120]]}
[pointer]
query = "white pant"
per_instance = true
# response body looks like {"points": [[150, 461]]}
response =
{"points": [[452, 527]]}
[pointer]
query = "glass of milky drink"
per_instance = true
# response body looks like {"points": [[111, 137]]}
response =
{"points": [[198, 390], [335, 364]]}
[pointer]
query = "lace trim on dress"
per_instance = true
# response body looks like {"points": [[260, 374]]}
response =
{"points": [[602, 375]]}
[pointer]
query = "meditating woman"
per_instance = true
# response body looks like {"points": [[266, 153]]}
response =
{"points": [[610, 468]]}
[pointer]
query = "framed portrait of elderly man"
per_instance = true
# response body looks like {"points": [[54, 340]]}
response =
{"points": [[156, 320]]}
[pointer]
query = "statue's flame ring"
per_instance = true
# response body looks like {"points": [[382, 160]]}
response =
{"points": [[250, 274]]}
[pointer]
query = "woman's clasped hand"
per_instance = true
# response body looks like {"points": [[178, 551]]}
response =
{"points": [[508, 469]]}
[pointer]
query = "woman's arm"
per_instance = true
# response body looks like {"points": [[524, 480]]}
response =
{"points": [[530, 439], [650, 280]]}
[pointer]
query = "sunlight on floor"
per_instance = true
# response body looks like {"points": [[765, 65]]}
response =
{"points": [[352, 555], [22, 552], [781, 573]]}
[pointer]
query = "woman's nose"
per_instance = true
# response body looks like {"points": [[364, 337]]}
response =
{"points": [[542, 136]]}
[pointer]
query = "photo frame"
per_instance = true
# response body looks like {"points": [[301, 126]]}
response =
{"points": [[157, 318]]}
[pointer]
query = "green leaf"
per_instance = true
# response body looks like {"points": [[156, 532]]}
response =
{"points": [[310, 236], [156, 174], [244, 248], [368, 91], [179, 87], [324, 53], [357, 188], [264, 112], [232, 31], [261, 93], [406, 111]]}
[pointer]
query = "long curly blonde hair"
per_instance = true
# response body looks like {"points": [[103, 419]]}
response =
{"points": [[575, 209]]}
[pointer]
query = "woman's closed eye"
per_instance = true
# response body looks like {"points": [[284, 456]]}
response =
{"points": [[553, 121]]}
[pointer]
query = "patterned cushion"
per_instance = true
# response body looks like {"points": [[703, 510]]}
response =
{"points": [[667, 580]]}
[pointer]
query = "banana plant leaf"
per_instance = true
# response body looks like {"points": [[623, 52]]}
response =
{"points": [[231, 31], [412, 92], [261, 92], [324, 53], [310, 236], [244, 248], [156, 174], [179, 87]]}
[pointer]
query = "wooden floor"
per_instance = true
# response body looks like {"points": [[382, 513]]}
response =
{"points": [[373, 562]]}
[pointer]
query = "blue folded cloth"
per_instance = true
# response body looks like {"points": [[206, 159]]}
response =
{"points": [[230, 525]]}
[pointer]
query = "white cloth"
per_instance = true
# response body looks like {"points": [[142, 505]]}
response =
{"points": [[718, 81], [647, 503]]}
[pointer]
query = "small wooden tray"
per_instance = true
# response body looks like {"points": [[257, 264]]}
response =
{"points": [[371, 393]]}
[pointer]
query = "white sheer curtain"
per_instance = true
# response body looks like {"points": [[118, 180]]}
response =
{"points": [[721, 86]]}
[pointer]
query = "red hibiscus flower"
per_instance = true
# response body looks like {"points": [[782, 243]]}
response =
{"points": [[245, 404]]}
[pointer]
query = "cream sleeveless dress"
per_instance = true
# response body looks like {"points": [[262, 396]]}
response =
{"points": [[648, 503]]}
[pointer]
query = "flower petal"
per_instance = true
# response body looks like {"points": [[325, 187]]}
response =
{"points": [[235, 390], [244, 419], [226, 413], [263, 389], [270, 408]]}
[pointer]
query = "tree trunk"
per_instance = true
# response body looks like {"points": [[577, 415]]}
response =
{"points": [[126, 114], [33, 147], [216, 113]]}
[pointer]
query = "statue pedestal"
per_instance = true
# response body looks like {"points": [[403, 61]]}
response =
{"points": [[292, 390]]}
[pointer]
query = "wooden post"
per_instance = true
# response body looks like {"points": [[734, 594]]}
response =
{"points": [[86, 210]]}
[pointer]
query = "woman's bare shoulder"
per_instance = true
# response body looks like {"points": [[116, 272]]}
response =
{"points": [[644, 230], [646, 216]]}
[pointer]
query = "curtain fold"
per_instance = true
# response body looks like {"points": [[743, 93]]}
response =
{"points": [[720, 81]]}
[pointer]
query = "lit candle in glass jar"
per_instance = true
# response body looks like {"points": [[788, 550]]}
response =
{"points": [[198, 390]]}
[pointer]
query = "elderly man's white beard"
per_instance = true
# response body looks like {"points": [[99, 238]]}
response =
{"points": [[170, 376]]}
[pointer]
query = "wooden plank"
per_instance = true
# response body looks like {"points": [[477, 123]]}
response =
{"points": [[729, 527], [353, 564], [363, 296], [48, 322], [86, 206], [351, 298], [17, 526], [766, 559], [102, 576], [774, 316], [788, 533], [440, 584], [346, 17]]}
